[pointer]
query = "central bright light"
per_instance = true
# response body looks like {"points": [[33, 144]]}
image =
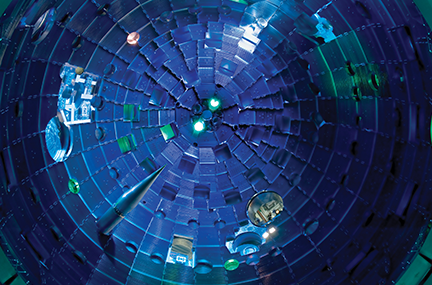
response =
{"points": [[214, 103], [199, 126]]}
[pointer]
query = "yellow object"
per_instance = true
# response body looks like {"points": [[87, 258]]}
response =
{"points": [[79, 70]]}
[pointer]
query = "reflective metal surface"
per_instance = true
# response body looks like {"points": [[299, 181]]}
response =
{"points": [[325, 103]]}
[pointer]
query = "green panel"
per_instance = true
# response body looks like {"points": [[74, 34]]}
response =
{"points": [[74, 186], [127, 143], [3, 5], [18, 281], [133, 141], [429, 281], [124, 144], [130, 113], [6, 269], [415, 272], [149, 165], [425, 7], [167, 132], [427, 246]]}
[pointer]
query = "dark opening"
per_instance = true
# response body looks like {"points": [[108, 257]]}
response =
{"points": [[76, 44], [315, 90], [369, 220], [80, 257], [354, 148], [363, 10], [349, 68], [56, 233]]}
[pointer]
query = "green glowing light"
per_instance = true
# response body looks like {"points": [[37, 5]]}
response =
{"points": [[231, 264], [199, 126], [74, 186], [214, 104]]}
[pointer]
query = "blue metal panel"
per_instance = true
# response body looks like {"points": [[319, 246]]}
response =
{"points": [[338, 126]]}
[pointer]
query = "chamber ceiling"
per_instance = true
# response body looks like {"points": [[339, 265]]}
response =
{"points": [[325, 103]]}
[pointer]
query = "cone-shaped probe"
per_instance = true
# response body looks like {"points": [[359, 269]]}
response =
{"points": [[126, 203]]}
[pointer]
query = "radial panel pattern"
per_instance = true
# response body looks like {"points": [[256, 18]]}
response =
{"points": [[323, 104]]}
